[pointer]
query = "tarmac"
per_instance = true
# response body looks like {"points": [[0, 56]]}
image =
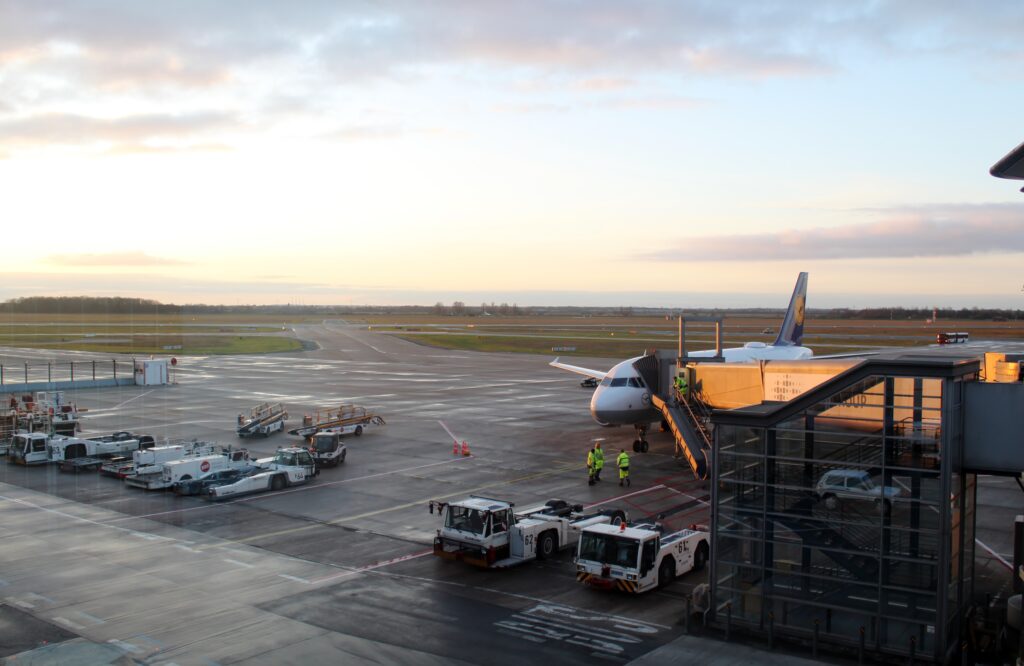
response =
{"points": [[341, 569]]}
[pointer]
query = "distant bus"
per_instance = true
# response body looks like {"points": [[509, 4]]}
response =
{"points": [[951, 338]]}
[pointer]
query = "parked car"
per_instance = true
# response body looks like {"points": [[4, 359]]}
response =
{"points": [[589, 382], [854, 484], [222, 477]]}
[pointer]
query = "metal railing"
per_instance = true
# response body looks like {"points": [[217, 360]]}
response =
{"points": [[67, 371]]}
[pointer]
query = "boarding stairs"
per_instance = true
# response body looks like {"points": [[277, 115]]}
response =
{"points": [[686, 421]]}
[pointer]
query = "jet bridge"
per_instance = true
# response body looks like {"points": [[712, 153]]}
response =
{"points": [[846, 510]]}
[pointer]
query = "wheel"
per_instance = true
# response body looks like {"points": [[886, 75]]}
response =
{"points": [[636, 446], [277, 483], [341, 458], [618, 517], [187, 477], [546, 545], [666, 572], [831, 502], [700, 558], [359, 430], [643, 446]]}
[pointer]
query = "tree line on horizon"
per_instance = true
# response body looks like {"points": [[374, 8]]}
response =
{"points": [[140, 306]]}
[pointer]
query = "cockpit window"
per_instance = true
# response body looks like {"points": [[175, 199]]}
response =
{"points": [[606, 381], [635, 382], [619, 381]]}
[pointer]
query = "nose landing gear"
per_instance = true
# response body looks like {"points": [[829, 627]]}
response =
{"points": [[640, 443]]}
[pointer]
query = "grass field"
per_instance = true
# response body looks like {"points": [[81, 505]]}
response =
{"points": [[151, 334], [616, 337]]}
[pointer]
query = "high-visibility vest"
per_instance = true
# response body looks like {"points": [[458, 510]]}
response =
{"points": [[590, 459], [623, 461], [598, 458]]}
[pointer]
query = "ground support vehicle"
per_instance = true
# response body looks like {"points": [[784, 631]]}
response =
{"points": [[32, 448], [487, 533], [150, 461], [204, 483], [185, 469], [42, 411], [327, 449], [355, 418], [289, 467], [639, 558], [262, 420]]}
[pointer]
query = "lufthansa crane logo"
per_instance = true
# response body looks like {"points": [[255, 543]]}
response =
{"points": [[645, 398], [799, 310]]}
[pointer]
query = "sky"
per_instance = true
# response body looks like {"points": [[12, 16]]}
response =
{"points": [[677, 153]]}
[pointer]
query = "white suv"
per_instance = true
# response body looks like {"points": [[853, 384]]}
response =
{"points": [[854, 484]]}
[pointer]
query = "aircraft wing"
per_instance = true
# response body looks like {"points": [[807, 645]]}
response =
{"points": [[596, 374]]}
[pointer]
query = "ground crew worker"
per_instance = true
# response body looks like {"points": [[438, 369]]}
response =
{"points": [[598, 461], [590, 467], [681, 386], [623, 464]]}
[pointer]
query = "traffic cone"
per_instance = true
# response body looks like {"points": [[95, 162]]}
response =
{"points": [[465, 448], [455, 448]]}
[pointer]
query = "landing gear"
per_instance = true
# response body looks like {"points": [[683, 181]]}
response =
{"points": [[640, 443]]}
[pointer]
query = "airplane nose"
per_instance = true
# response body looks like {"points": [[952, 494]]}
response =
{"points": [[599, 407]]}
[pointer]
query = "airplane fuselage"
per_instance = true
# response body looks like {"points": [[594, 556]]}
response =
{"points": [[622, 397]]}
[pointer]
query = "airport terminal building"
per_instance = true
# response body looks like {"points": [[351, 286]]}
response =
{"points": [[845, 518]]}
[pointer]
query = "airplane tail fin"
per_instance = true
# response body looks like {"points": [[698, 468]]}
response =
{"points": [[791, 334]]}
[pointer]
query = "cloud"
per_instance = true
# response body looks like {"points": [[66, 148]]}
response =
{"points": [[112, 259], [72, 129], [930, 231]]}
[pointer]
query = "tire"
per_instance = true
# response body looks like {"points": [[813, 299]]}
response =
{"points": [[831, 502], [636, 446], [340, 459], [556, 504], [547, 545], [700, 558], [617, 515], [666, 572], [644, 446], [359, 430], [277, 483]]}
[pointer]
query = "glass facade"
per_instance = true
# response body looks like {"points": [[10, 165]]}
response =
{"points": [[847, 514]]}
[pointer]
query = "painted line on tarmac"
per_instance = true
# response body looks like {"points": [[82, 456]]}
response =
{"points": [[996, 555], [621, 497], [399, 507], [373, 567], [211, 505]]}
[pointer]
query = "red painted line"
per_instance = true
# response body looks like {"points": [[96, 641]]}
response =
{"points": [[371, 567]]}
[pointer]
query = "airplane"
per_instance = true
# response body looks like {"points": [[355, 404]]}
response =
{"points": [[622, 397]]}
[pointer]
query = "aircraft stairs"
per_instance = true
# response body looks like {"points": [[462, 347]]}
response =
{"points": [[691, 438]]}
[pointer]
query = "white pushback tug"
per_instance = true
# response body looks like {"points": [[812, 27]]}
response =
{"points": [[639, 558], [487, 532]]}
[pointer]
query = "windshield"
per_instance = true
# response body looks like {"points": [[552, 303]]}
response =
{"points": [[285, 458], [324, 444], [465, 519], [608, 549]]}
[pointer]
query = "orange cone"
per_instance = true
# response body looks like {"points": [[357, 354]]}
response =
{"points": [[455, 449], [465, 448]]}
